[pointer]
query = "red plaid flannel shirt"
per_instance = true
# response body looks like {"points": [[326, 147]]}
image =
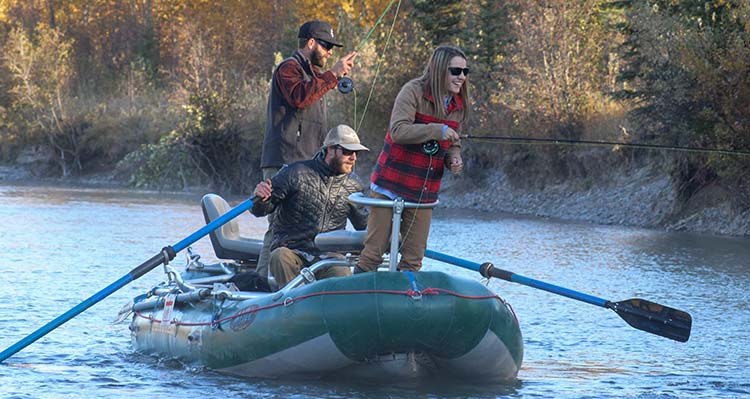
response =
{"points": [[406, 170]]}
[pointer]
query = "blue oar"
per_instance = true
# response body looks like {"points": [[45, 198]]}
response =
{"points": [[167, 254], [639, 313]]}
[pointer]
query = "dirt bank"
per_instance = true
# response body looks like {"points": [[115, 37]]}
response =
{"points": [[642, 197]]}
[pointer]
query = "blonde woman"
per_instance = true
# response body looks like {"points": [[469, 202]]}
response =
{"points": [[423, 139]]}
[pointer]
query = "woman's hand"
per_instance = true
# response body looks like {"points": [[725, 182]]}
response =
{"points": [[456, 165], [449, 134]]}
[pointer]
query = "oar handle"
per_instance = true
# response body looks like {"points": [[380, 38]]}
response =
{"points": [[488, 270], [167, 254]]}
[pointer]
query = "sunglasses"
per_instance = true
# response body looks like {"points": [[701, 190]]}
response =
{"points": [[326, 45], [345, 151], [456, 71]]}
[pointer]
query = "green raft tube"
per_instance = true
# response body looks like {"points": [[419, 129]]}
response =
{"points": [[379, 325]]}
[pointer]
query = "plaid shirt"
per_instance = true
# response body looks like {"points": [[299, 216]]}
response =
{"points": [[296, 117], [409, 172], [302, 84]]}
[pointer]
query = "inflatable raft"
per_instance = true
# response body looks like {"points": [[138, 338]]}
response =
{"points": [[384, 324]]}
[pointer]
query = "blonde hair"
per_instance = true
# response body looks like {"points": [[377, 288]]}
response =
{"points": [[434, 77]]}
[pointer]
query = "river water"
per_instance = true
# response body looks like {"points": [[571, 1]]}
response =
{"points": [[61, 245]]}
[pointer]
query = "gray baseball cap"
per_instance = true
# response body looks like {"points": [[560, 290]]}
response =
{"points": [[345, 137]]}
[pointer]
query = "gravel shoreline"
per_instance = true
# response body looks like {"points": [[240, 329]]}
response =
{"points": [[643, 198]]}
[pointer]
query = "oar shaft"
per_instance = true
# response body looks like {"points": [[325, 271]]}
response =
{"points": [[60, 320], [167, 254], [566, 292], [639, 313], [453, 260], [517, 278], [220, 221]]}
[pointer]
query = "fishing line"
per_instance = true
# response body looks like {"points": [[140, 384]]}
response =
{"points": [[367, 37], [379, 64], [414, 215], [552, 141], [346, 84]]}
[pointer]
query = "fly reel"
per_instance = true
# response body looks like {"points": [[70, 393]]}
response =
{"points": [[346, 85], [431, 147]]}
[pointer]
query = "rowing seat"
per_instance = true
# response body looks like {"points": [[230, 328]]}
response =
{"points": [[226, 240], [342, 241]]}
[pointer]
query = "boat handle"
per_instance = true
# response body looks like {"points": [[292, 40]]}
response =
{"points": [[360, 199]]}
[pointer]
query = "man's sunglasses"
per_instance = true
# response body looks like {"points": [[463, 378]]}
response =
{"points": [[326, 45], [345, 151], [455, 71]]}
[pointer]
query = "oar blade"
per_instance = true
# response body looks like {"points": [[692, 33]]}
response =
{"points": [[655, 318]]}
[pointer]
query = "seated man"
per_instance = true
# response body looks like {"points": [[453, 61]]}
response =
{"points": [[310, 197]]}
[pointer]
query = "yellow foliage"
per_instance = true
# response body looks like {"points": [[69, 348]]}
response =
{"points": [[241, 18], [4, 6], [362, 13]]}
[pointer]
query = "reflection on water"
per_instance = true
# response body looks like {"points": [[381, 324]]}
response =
{"points": [[61, 245]]}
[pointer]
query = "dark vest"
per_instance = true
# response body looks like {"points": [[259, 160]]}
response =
{"points": [[292, 134]]}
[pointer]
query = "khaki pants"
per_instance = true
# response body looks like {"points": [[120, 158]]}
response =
{"points": [[415, 227], [285, 266], [264, 256]]}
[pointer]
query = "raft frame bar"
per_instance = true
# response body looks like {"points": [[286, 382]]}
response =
{"points": [[398, 205]]}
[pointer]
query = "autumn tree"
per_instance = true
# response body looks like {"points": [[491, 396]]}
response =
{"points": [[487, 41], [689, 74], [40, 65], [560, 66], [441, 19]]}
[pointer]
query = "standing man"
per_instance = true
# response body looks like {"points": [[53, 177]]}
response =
{"points": [[308, 198], [296, 118]]}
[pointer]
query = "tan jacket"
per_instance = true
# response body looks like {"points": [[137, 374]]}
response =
{"points": [[412, 100]]}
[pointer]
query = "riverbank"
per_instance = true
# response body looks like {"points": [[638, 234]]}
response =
{"points": [[643, 197]]}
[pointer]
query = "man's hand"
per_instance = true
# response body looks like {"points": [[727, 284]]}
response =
{"points": [[344, 65], [263, 190]]}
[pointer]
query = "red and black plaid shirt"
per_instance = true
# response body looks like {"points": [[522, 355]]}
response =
{"points": [[407, 171]]}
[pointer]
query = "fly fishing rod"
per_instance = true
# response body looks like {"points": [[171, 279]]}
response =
{"points": [[554, 141], [346, 84]]}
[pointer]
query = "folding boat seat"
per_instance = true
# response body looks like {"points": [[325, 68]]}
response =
{"points": [[226, 240]]}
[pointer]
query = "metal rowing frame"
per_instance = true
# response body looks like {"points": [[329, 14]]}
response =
{"points": [[398, 205]]}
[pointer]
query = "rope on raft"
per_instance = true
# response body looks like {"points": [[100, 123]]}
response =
{"points": [[291, 300]]}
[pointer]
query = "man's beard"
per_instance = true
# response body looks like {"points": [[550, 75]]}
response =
{"points": [[338, 166], [317, 59]]}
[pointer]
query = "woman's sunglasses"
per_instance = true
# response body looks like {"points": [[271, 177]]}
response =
{"points": [[456, 71], [326, 45]]}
